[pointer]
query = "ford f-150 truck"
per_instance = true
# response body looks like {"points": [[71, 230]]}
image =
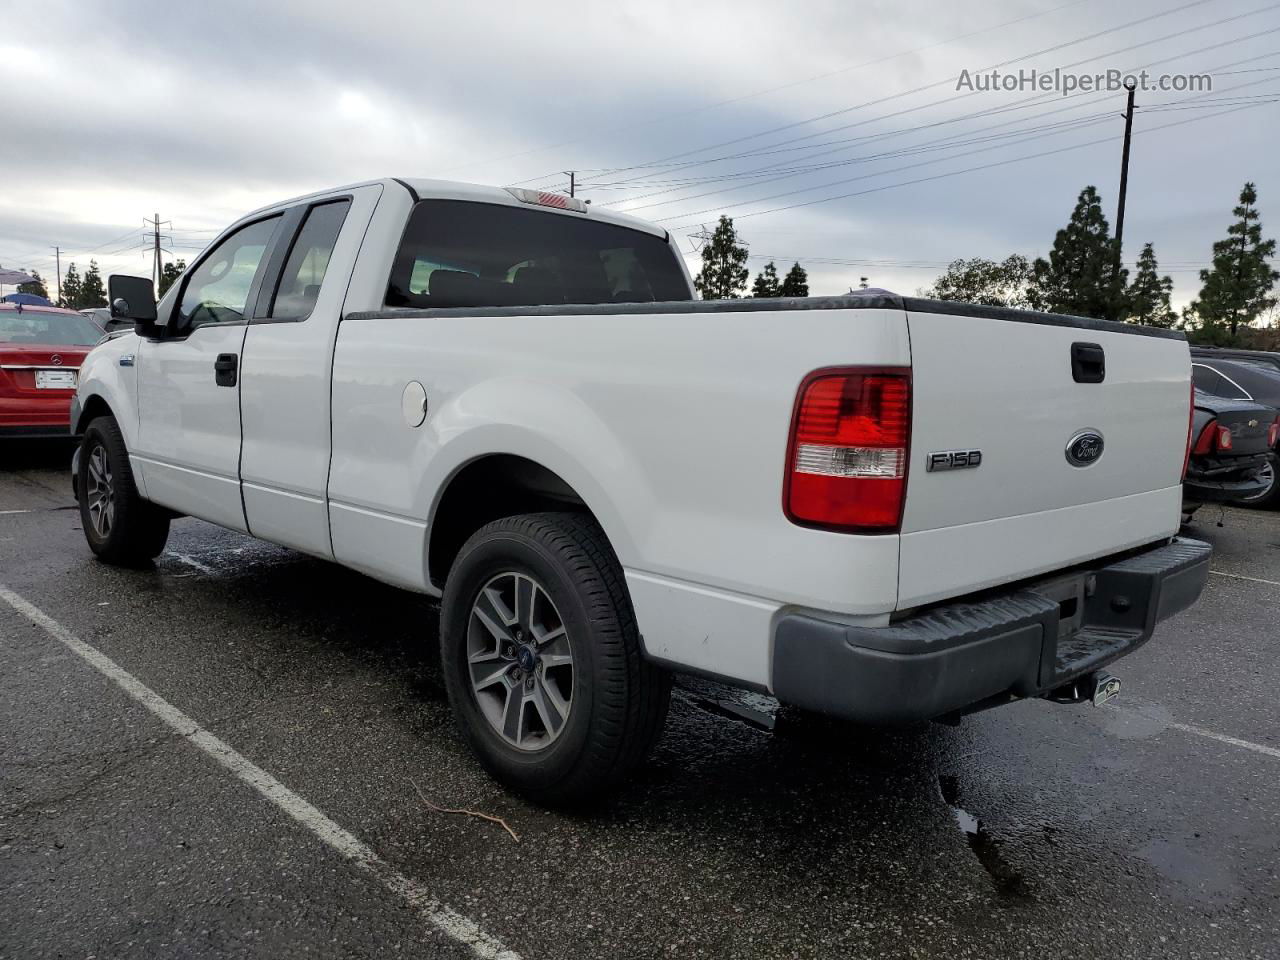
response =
{"points": [[881, 508]]}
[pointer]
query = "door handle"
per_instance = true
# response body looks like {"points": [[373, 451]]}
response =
{"points": [[224, 369]]}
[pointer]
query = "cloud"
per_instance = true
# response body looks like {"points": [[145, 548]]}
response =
{"points": [[202, 112]]}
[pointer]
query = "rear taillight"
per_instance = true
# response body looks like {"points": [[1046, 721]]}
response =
{"points": [[847, 458], [1222, 439], [1204, 442], [1273, 432], [1191, 420]]}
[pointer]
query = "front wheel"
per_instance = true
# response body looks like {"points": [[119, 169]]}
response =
{"points": [[121, 527], [542, 658]]}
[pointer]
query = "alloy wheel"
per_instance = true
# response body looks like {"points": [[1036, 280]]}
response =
{"points": [[1267, 473], [520, 661], [100, 493]]}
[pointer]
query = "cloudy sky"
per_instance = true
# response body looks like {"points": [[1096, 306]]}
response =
{"points": [[832, 131]]}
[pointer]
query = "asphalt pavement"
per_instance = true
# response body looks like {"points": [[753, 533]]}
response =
{"points": [[260, 777]]}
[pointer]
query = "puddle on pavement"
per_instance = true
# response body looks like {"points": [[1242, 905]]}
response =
{"points": [[1009, 883]]}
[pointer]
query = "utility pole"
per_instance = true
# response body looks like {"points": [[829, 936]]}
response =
{"points": [[572, 181], [57, 259], [701, 238], [1124, 183], [158, 266]]}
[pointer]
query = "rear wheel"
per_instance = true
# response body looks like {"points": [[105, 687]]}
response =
{"points": [[1268, 499], [542, 658], [120, 527]]}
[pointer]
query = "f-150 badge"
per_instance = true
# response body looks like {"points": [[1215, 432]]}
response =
{"points": [[953, 460]]}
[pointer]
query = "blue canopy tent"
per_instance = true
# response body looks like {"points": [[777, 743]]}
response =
{"points": [[27, 299]]}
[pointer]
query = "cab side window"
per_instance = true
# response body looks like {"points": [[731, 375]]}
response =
{"points": [[308, 260], [218, 289]]}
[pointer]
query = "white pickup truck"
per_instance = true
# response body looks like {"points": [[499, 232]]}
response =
{"points": [[881, 508]]}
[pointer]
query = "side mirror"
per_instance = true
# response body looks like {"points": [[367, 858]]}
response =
{"points": [[133, 298]]}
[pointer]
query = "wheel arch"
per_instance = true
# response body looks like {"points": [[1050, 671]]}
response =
{"points": [[487, 488], [94, 406]]}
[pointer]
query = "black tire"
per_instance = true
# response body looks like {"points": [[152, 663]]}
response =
{"points": [[618, 699], [137, 529], [1269, 499]]}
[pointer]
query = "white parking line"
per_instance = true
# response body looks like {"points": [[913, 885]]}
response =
{"points": [[183, 558], [452, 924], [1237, 576], [1223, 738], [7, 512]]}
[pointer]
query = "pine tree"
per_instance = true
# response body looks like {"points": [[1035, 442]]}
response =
{"points": [[35, 285], [169, 275], [767, 283], [983, 281], [71, 289], [1236, 290], [92, 293], [1080, 277], [724, 265], [796, 282], [1148, 295]]}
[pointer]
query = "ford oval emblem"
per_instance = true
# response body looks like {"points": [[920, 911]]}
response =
{"points": [[1085, 448]]}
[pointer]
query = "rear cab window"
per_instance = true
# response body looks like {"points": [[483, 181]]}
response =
{"points": [[458, 253]]}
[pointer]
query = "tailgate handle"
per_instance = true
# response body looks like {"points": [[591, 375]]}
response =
{"points": [[1088, 363]]}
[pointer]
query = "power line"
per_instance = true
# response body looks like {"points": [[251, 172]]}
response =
{"points": [[760, 93], [1030, 101], [953, 173], [928, 86], [1084, 121], [780, 147]]}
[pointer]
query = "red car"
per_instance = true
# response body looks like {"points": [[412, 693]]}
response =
{"points": [[41, 349]]}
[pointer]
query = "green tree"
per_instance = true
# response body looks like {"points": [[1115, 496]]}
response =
{"points": [[1080, 276], [169, 275], [71, 289], [1236, 290], [767, 283], [92, 293], [724, 265], [796, 282], [987, 282], [35, 285], [1148, 295]]}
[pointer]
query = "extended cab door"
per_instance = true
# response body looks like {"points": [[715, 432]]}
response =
{"points": [[188, 446], [287, 358]]}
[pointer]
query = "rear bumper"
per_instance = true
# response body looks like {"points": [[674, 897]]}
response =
{"points": [[45, 416], [1021, 642], [1226, 487]]}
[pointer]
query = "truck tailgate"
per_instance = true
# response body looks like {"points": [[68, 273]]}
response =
{"points": [[1003, 383]]}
